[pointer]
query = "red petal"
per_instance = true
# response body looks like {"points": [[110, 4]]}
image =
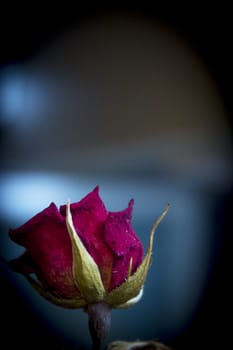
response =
{"points": [[46, 239], [124, 243], [89, 216]]}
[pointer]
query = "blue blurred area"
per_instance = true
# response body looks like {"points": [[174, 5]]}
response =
{"points": [[123, 102]]}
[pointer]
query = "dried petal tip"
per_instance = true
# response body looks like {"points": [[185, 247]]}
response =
{"points": [[154, 227]]}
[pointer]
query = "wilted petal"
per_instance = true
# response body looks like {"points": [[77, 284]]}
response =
{"points": [[88, 215], [46, 239], [134, 283], [124, 244]]}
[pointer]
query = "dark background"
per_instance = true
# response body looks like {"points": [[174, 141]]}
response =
{"points": [[209, 30]]}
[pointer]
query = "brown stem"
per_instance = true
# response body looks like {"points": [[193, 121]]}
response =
{"points": [[99, 322]]}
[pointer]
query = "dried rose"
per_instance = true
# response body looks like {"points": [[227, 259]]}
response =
{"points": [[82, 255], [137, 345]]}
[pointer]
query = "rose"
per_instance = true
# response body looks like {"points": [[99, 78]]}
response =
{"points": [[108, 237], [82, 255]]}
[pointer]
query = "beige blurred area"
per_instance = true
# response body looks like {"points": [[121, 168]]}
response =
{"points": [[116, 95]]}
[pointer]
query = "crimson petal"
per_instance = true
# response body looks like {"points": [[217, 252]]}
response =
{"points": [[46, 239], [89, 216], [124, 244]]}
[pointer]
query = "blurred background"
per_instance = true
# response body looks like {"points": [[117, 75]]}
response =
{"points": [[138, 101]]}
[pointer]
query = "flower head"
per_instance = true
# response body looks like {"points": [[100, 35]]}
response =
{"points": [[82, 254]]}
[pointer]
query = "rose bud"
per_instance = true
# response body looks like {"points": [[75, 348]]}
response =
{"points": [[83, 256]]}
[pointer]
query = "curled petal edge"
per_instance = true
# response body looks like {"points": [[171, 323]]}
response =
{"points": [[86, 273], [131, 288]]}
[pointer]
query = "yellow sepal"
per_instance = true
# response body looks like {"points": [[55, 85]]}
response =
{"points": [[73, 303], [131, 288], [85, 270]]}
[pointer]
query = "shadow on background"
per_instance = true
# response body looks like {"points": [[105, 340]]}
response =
{"points": [[138, 102]]}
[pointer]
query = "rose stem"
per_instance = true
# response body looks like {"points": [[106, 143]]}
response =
{"points": [[99, 322]]}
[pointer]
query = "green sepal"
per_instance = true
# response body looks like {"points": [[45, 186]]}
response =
{"points": [[86, 273]]}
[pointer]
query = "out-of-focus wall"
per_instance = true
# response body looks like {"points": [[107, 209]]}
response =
{"points": [[124, 102], [119, 93]]}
